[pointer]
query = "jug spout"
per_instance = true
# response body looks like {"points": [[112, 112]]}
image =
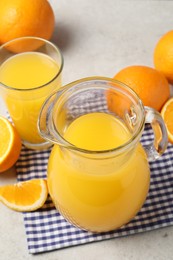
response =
{"points": [[46, 125]]}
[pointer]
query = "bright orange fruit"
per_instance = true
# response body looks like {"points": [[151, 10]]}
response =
{"points": [[20, 18], [163, 55], [24, 196], [10, 144], [167, 114], [150, 85]]}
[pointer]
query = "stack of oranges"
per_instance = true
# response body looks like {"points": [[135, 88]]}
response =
{"points": [[152, 84]]}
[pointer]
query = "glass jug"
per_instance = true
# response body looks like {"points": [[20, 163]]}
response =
{"points": [[98, 172]]}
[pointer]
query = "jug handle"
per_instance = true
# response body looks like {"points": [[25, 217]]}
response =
{"points": [[159, 145]]}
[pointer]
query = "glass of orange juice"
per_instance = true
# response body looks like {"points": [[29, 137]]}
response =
{"points": [[98, 171], [30, 69]]}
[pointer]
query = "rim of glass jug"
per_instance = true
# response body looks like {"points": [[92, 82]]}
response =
{"points": [[132, 141], [47, 83]]}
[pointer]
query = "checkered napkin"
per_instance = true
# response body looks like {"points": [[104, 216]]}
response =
{"points": [[47, 230]]}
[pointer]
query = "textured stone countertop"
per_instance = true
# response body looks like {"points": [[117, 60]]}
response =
{"points": [[98, 38]]}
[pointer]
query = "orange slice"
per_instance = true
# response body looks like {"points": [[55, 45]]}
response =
{"points": [[24, 196], [10, 144], [167, 114]]}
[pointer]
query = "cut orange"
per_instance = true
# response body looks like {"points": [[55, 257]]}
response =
{"points": [[10, 144], [24, 196], [167, 114]]}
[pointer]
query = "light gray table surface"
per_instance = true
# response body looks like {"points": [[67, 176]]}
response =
{"points": [[98, 37]]}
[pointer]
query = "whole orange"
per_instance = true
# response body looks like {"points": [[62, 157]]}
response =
{"points": [[20, 18], [150, 85], [163, 55]]}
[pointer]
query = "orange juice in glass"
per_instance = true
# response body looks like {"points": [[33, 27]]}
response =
{"points": [[98, 172], [30, 69]]}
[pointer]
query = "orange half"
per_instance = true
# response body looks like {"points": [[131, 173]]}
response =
{"points": [[167, 114], [24, 196], [10, 144]]}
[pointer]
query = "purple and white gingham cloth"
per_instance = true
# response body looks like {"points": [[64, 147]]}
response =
{"points": [[47, 230]]}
